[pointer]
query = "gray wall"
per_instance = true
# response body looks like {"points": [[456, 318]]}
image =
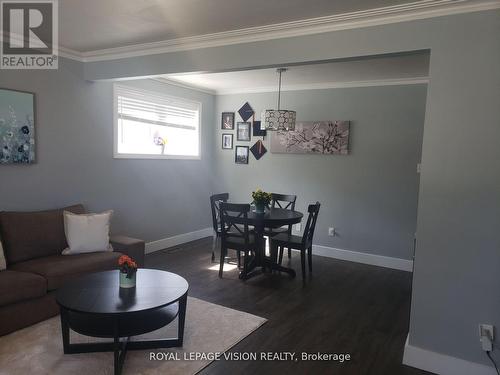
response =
{"points": [[152, 199], [456, 274], [369, 196], [457, 256]]}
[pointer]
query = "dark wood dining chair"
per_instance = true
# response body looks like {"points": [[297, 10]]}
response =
{"points": [[304, 243], [215, 201], [235, 233], [287, 202]]}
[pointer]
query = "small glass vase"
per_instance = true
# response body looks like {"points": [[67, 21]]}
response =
{"points": [[127, 282], [260, 208]]}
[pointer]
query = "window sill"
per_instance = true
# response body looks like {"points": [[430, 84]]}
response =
{"points": [[157, 157]]}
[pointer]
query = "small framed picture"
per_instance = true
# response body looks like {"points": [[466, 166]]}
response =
{"points": [[227, 141], [257, 130], [243, 131], [241, 155], [227, 121]]}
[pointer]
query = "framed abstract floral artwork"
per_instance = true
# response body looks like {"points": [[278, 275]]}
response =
{"points": [[17, 127], [313, 137]]}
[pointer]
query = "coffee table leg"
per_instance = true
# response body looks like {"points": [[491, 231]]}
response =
{"points": [[182, 318], [117, 355], [119, 349], [65, 330]]}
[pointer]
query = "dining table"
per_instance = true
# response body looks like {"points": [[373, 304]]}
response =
{"points": [[271, 218]]}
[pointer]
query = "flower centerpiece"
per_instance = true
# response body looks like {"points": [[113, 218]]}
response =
{"points": [[261, 200], [128, 270]]}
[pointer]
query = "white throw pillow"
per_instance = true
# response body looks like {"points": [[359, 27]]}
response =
{"points": [[3, 263], [87, 233]]}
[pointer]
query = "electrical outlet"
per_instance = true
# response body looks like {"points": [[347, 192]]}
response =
{"points": [[486, 335], [298, 227], [331, 232]]}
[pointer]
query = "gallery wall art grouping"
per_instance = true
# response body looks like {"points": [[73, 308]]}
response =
{"points": [[308, 137], [244, 130]]}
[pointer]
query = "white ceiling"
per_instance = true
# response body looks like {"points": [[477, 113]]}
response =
{"points": [[87, 25], [368, 71]]}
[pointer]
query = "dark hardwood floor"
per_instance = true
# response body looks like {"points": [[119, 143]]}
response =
{"points": [[345, 308]]}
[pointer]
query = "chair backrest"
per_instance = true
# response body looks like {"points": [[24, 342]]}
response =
{"points": [[283, 201], [307, 237], [215, 201], [232, 214]]}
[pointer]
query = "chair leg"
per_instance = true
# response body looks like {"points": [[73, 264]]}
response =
{"points": [[214, 244], [245, 263], [303, 263], [310, 259], [239, 258], [221, 265], [273, 251], [280, 257], [289, 253]]}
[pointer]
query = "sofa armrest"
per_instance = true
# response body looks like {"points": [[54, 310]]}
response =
{"points": [[132, 247]]}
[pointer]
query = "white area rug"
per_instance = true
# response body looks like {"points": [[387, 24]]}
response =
{"points": [[209, 328]]}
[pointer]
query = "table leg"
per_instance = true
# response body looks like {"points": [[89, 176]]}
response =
{"points": [[260, 245], [65, 330], [119, 348], [116, 346], [116, 352], [258, 260], [182, 319]]}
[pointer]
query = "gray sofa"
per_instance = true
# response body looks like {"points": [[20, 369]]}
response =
{"points": [[33, 242]]}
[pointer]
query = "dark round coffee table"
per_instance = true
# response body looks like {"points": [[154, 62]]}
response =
{"points": [[95, 305]]}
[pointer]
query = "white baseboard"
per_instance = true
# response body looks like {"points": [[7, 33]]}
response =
{"points": [[442, 364], [355, 256], [177, 240], [325, 251]]}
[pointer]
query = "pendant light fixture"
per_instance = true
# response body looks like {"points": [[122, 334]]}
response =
{"points": [[279, 119]]}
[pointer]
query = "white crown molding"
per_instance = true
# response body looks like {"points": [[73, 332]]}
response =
{"points": [[328, 85], [184, 85], [372, 17], [70, 54]]}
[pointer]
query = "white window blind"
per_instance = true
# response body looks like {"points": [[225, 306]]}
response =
{"points": [[151, 124]]}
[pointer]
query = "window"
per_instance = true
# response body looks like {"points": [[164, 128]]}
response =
{"points": [[155, 126]]}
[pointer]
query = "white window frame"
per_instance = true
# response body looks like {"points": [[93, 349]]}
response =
{"points": [[117, 155]]}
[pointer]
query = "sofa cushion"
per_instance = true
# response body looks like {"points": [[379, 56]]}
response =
{"points": [[58, 269], [29, 235], [19, 286], [87, 233]]}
